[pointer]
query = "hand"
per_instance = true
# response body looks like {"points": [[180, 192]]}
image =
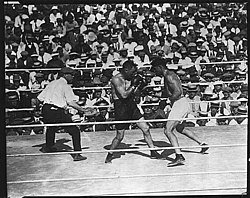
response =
{"points": [[142, 85]]}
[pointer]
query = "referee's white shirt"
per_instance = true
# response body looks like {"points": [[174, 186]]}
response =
{"points": [[58, 93]]}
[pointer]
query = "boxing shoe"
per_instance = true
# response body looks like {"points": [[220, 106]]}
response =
{"points": [[204, 149], [156, 155], [78, 157], [179, 160], [109, 158]]}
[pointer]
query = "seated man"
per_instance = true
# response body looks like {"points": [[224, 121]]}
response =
{"points": [[202, 122], [151, 113]]}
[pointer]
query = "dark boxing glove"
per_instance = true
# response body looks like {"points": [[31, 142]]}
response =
{"points": [[136, 81], [143, 84]]}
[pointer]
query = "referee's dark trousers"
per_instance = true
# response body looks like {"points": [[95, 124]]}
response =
{"points": [[53, 114]]}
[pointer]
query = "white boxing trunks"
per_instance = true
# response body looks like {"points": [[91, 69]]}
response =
{"points": [[180, 109]]}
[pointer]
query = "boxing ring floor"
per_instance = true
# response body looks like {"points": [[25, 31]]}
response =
{"points": [[222, 170]]}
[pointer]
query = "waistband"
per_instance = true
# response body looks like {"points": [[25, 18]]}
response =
{"points": [[51, 105]]}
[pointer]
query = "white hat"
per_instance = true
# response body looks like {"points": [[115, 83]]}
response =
{"points": [[91, 62], [72, 62], [54, 8], [138, 48], [157, 89], [186, 66], [208, 91], [54, 54], [156, 78], [172, 66], [218, 82]]}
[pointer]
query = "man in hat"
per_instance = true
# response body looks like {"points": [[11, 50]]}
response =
{"points": [[44, 57], [130, 44], [192, 98], [36, 85], [169, 26], [16, 117], [97, 94], [25, 61], [180, 109], [213, 112], [184, 60], [153, 41], [123, 55], [235, 90], [202, 122], [55, 14], [35, 21], [226, 96], [244, 90], [53, 110], [174, 51], [124, 85], [55, 62], [228, 42], [242, 111], [234, 108], [141, 58]]}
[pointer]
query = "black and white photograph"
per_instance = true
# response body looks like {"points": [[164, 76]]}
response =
{"points": [[125, 98]]}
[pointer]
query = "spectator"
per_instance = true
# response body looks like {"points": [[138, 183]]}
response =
{"points": [[218, 89], [44, 57], [242, 111], [226, 96], [25, 61], [55, 15], [150, 113], [202, 122], [234, 112], [194, 107], [102, 116], [205, 106], [55, 62], [235, 90], [214, 112], [47, 26]]}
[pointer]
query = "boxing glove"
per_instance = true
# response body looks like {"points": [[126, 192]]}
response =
{"points": [[136, 81], [143, 84]]}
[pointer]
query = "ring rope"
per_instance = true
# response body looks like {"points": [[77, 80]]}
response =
{"points": [[125, 176], [118, 122], [152, 104], [85, 68], [126, 150], [161, 85]]}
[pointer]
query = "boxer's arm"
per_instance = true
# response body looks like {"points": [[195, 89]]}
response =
{"points": [[120, 87], [175, 85]]}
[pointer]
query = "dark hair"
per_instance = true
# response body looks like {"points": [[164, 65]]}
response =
{"points": [[129, 64], [158, 61]]}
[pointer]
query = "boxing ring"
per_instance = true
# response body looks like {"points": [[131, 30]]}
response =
{"points": [[221, 170]]}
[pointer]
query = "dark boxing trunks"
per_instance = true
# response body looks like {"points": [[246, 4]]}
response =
{"points": [[126, 109]]}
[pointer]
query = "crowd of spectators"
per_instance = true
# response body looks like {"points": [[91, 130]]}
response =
{"points": [[97, 39]]}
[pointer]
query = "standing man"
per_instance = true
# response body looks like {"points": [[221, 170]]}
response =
{"points": [[124, 85], [180, 109], [56, 97]]}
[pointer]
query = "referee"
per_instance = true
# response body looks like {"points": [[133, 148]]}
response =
{"points": [[56, 97]]}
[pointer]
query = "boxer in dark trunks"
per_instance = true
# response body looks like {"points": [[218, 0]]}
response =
{"points": [[123, 86]]}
